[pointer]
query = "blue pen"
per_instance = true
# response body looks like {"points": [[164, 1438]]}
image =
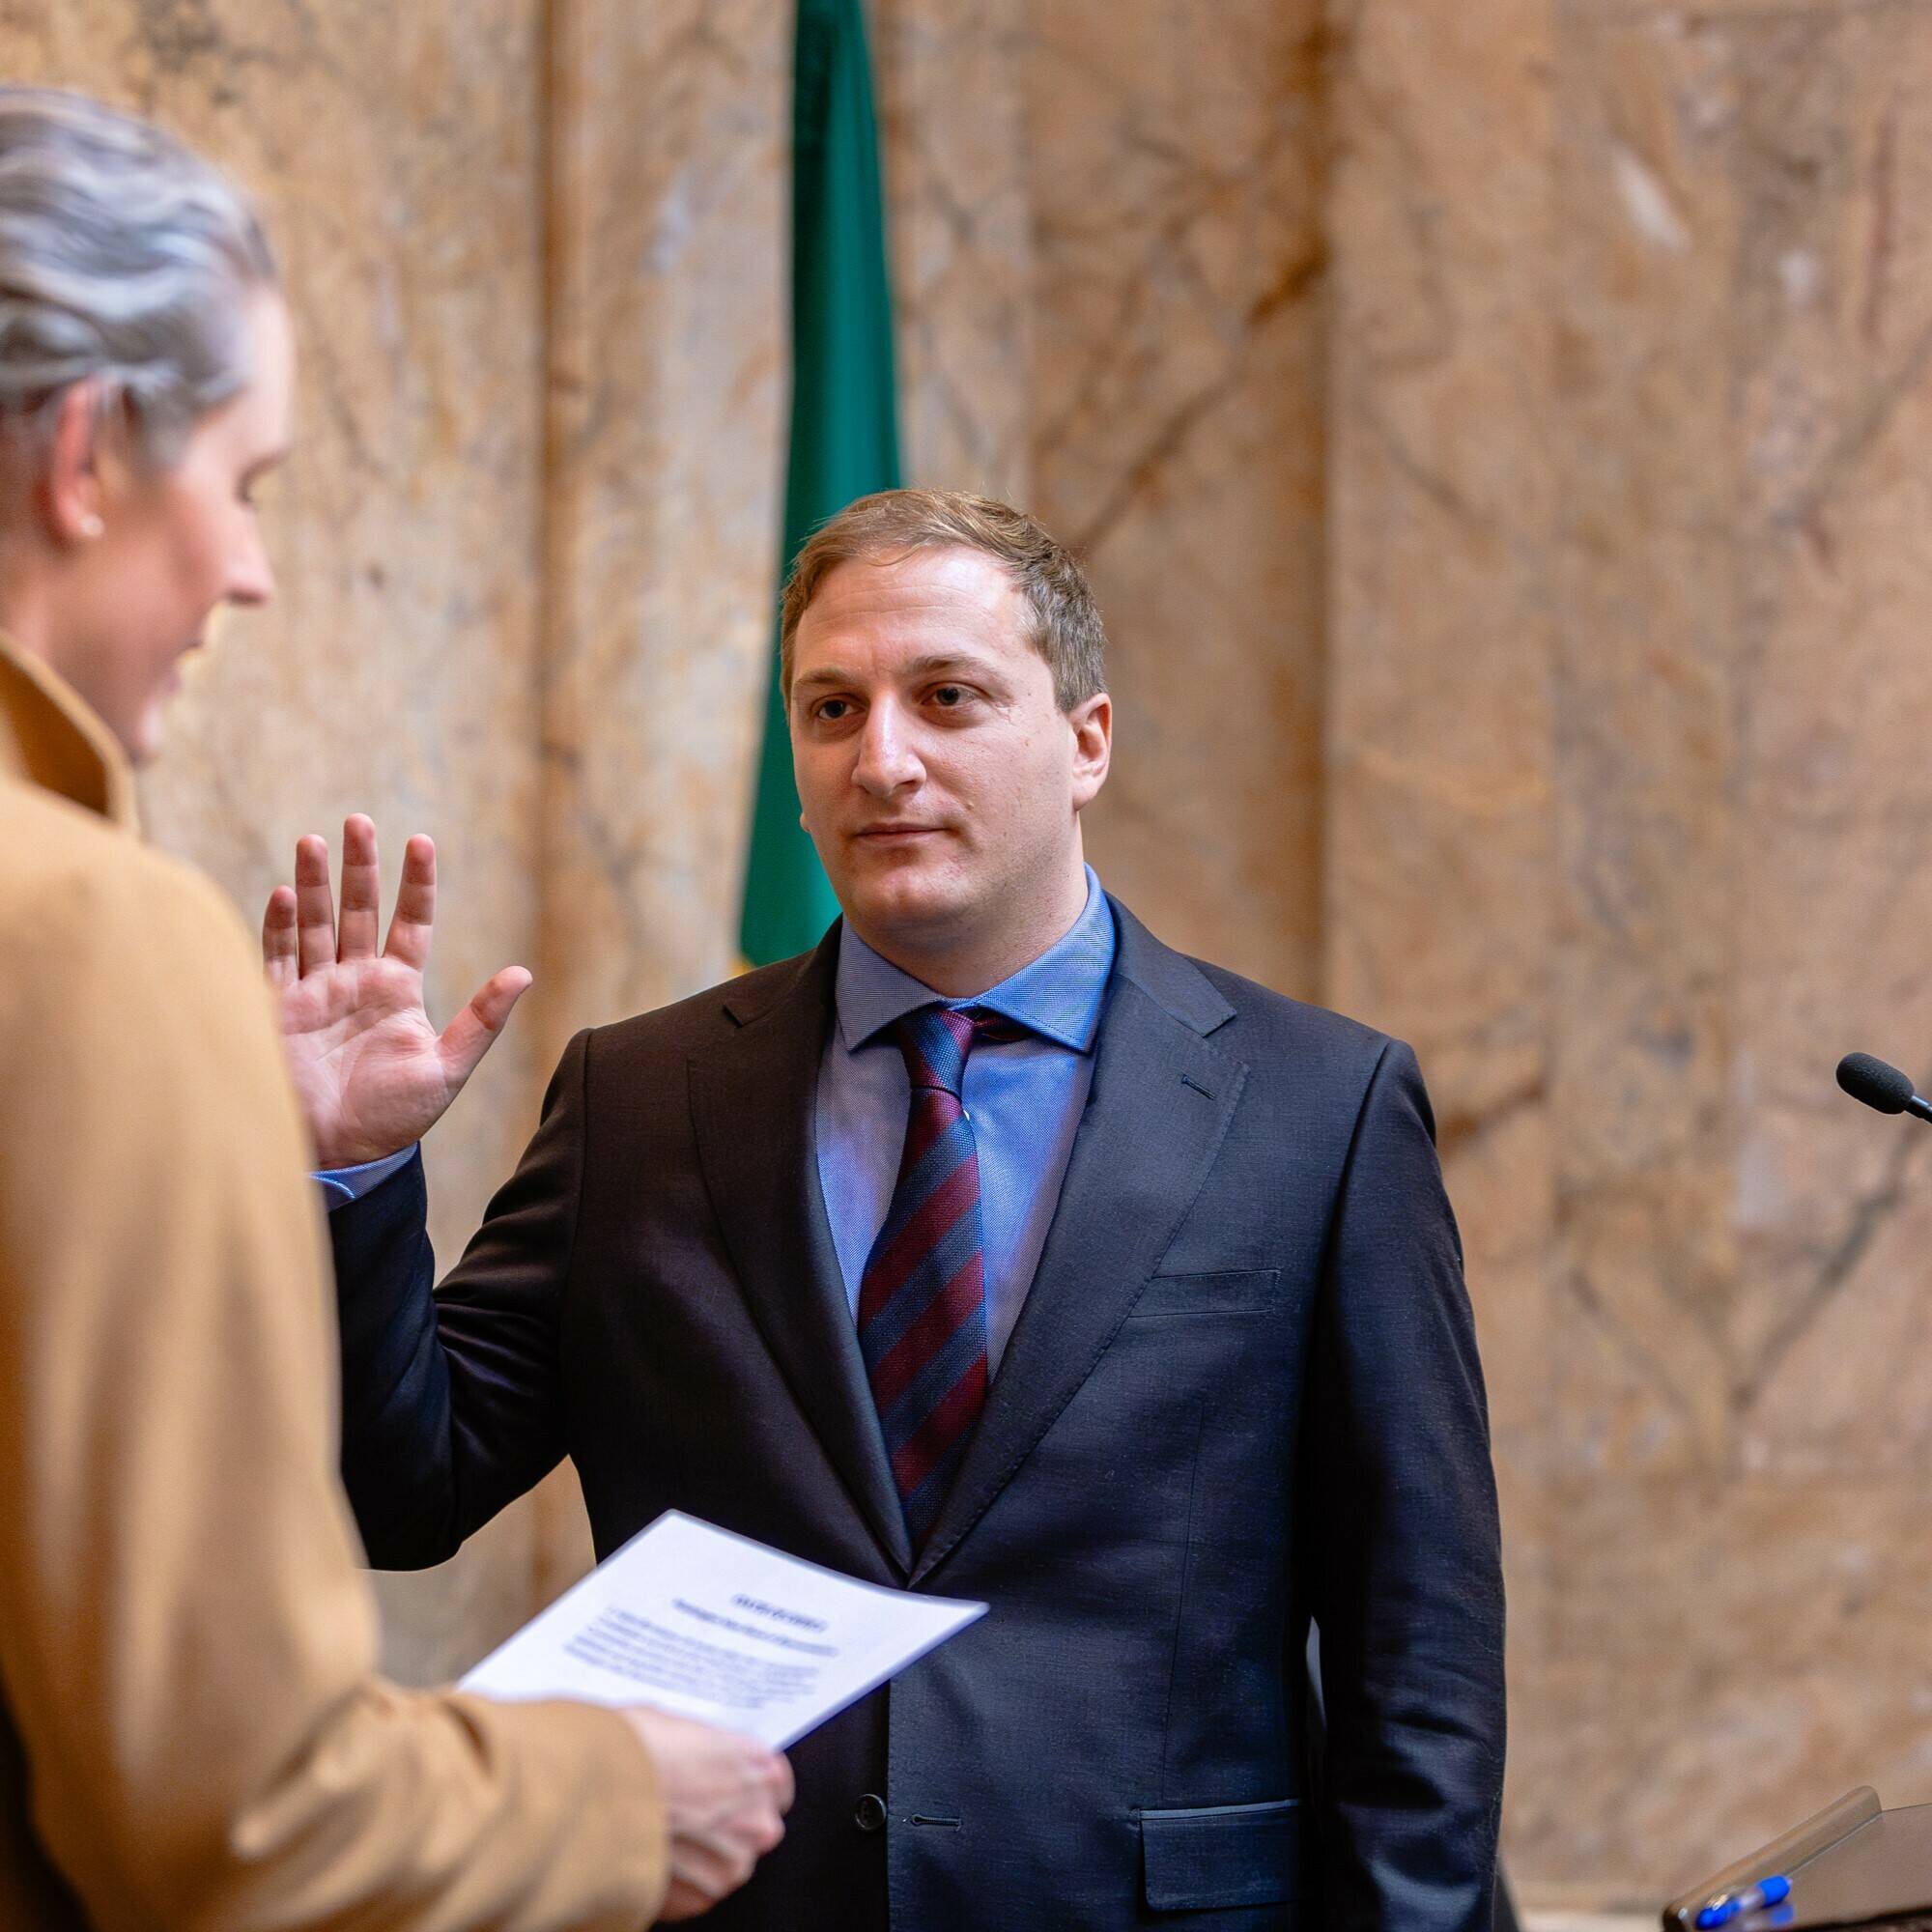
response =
{"points": [[1753, 1898]]}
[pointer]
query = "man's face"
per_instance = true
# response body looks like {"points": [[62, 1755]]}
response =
{"points": [[940, 782], [177, 545]]}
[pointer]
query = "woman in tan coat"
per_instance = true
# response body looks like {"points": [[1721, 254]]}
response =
{"points": [[191, 1730]]}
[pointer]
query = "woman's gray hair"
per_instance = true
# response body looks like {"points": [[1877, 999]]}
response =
{"points": [[126, 261]]}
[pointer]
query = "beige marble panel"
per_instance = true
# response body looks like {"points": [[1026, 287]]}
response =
{"points": [[664, 397], [952, 107], [1647, 670], [1177, 444], [1834, 410], [668, 385], [1719, 1505], [395, 153], [1441, 733], [1731, 1652]]}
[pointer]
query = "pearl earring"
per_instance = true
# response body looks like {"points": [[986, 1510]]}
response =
{"points": [[91, 526]]}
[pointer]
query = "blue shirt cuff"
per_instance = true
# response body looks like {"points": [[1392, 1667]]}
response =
{"points": [[340, 1185]]}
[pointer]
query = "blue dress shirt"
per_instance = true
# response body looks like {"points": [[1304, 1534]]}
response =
{"points": [[1024, 1098], [340, 1185]]}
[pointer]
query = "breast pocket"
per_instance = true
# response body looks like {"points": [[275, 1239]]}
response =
{"points": [[1234, 1292], [1221, 1855]]}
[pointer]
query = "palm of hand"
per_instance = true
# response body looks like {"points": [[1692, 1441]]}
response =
{"points": [[367, 1063], [371, 1071]]}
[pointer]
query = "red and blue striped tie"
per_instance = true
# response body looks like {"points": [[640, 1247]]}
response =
{"points": [[922, 1297]]}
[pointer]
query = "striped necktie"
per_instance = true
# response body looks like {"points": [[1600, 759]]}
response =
{"points": [[922, 1297]]}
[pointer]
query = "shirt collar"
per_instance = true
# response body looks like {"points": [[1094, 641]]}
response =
{"points": [[49, 737], [1058, 996]]}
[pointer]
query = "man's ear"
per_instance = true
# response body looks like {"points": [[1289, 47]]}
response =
{"points": [[70, 493], [1091, 722]]}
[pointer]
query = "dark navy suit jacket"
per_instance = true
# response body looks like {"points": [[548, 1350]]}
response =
{"points": [[1243, 1392]]}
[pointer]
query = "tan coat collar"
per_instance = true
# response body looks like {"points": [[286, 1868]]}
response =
{"points": [[49, 737]]}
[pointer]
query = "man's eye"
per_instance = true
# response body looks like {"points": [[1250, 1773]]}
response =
{"points": [[834, 709], [950, 694]]}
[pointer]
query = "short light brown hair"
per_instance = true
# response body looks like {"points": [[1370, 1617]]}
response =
{"points": [[894, 524]]}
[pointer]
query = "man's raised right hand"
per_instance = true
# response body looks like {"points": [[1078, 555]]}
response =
{"points": [[372, 1073]]}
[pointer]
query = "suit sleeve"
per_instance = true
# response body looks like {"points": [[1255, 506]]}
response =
{"points": [[451, 1405], [187, 1641], [1407, 1588]]}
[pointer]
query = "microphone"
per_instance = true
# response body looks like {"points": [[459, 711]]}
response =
{"points": [[1879, 1086]]}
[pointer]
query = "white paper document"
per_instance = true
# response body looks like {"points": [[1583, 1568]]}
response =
{"points": [[696, 1620]]}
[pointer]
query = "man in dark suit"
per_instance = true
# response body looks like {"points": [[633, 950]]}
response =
{"points": [[992, 1248]]}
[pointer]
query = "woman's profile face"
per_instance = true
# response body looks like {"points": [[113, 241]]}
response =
{"points": [[175, 545]]}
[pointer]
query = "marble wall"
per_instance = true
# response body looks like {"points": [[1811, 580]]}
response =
{"points": [[670, 130], [1494, 435], [1440, 913], [1626, 829], [666, 198]]}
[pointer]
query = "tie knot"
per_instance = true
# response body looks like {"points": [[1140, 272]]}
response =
{"points": [[936, 1041]]}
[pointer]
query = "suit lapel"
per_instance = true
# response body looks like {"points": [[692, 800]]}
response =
{"points": [[753, 1095], [1162, 1096]]}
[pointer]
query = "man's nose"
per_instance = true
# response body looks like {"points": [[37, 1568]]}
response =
{"points": [[888, 761]]}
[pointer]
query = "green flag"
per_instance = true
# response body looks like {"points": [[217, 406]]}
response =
{"points": [[845, 432]]}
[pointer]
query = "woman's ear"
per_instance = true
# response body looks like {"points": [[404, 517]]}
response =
{"points": [[69, 492]]}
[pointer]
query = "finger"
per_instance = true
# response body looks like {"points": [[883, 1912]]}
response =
{"points": [[361, 891], [278, 938], [414, 917], [315, 906], [698, 1866], [682, 1901], [467, 1037], [784, 1788], [717, 1860]]}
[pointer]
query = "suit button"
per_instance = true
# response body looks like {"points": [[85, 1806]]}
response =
{"points": [[869, 1813]]}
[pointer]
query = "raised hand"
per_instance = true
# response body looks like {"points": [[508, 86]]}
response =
{"points": [[372, 1071]]}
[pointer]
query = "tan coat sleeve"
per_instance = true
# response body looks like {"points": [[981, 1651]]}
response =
{"points": [[186, 1643]]}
